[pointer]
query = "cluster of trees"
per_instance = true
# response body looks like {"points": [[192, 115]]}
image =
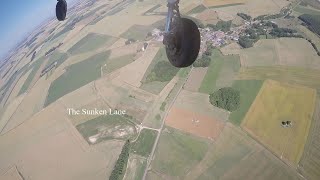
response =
{"points": [[265, 24], [312, 22], [163, 71], [226, 98], [163, 106], [221, 25], [247, 42], [314, 46], [33, 56], [252, 35], [245, 16], [53, 49], [285, 32], [119, 168], [205, 60]]}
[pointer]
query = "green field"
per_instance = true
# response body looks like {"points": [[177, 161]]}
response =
{"points": [[308, 165], [200, 8], [277, 102], [306, 10], [184, 72], [76, 76], [177, 153], [208, 84], [117, 63], [58, 57], [248, 92], [35, 67], [143, 145], [160, 56], [236, 156], [309, 34], [155, 86], [228, 72], [107, 127], [135, 168], [306, 77], [137, 32], [5, 88], [89, 43]]}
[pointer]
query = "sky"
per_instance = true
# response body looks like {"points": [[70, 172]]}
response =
{"points": [[19, 17]]}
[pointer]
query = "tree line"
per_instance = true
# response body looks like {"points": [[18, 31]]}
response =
{"points": [[119, 168]]}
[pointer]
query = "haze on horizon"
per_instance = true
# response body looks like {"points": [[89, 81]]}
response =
{"points": [[18, 18]]}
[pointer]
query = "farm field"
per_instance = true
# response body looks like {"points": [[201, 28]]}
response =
{"points": [[31, 104], [18, 86], [284, 102], [233, 48], [59, 57], [284, 51], [253, 8], [307, 10], [8, 111], [200, 8], [236, 156], [116, 63], [199, 103], [137, 32], [248, 91], [194, 123], [194, 81], [177, 153], [135, 167], [308, 165], [156, 112], [90, 42], [221, 72], [129, 74], [35, 68], [143, 145], [157, 82], [313, 3], [107, 127], [228, 72], [64, 144], [208, 16], [77, 75], [293, 75], [310, 35], [278, 79]]}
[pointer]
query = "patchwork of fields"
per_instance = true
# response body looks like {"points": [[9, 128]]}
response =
{"points": [[174, 130], [277, 102]]}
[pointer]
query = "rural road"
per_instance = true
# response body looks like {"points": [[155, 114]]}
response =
{"points": [[161, 128]]}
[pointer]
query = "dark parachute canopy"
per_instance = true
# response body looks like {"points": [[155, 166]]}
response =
{"points": [[61, 10]]}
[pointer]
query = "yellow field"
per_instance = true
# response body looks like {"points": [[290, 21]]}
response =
{"points": [[210, 3], [277, 102]]}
